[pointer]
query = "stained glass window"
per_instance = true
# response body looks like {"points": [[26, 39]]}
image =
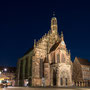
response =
{"points": [[58, 58], [61, 80], [63, 58], [41, 68]]}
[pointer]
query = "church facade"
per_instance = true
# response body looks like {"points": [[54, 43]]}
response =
{"points": [[48, 62]]}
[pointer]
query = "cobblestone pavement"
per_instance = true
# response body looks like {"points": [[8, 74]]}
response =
{"points": [[26, 88]]}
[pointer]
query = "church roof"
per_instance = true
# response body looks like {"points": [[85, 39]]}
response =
{"points": [[83, 61], [54, 46]]}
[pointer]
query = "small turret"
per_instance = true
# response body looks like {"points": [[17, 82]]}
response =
{"points": [[34, 42], [70, 53], [62, 40], [62, 37]]}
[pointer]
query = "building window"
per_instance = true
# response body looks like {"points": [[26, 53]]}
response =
{"points": [[54, 78], [53, 22], [53, 57], [21, 69], [26, 68], [58, 58], [63, 58], [41, 68], [66, 81], [61, 80]]}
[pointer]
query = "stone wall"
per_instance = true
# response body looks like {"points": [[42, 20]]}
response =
{"points": [[24, 71]]}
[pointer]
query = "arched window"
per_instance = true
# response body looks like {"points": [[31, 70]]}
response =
{"points": [[41, 68], [66, 81], [53, 22], [61, 80], [58, 58], [53, 57], [54, 78], [21, 69], [26, 68], [63, 58]]}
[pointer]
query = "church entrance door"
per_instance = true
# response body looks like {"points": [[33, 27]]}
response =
{"points": [[54, 78]]}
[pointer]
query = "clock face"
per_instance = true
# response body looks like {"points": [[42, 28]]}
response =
{"points": [[62, 43]]}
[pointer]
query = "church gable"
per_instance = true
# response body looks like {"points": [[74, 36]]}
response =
{"points": [[59, 44], [60, 52]]}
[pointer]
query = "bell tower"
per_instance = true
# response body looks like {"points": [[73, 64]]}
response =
{"points": [[54, 25]]}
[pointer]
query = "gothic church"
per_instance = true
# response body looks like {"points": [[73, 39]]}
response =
{"points": [[48, 63]]}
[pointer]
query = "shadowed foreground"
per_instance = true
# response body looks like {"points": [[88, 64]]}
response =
{"points": [[26, 88]]}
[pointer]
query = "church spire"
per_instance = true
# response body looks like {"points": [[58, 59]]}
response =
{"points": [[54, 23], [62, 37], [34, 42]]}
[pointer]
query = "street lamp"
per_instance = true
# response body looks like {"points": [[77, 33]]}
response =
{"points": [[5, 69], [0, 72]]}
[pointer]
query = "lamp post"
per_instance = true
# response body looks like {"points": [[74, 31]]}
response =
{"points": [[0, 76], [5, 70]]}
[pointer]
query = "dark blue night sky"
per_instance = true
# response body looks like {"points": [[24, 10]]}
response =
{"points": [[22, 22]]}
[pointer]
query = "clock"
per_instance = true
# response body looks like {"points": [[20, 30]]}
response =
{"points": [[62, 43]]}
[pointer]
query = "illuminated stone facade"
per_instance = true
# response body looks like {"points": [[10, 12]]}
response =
{"points": [[51, 52], [48, 62]]}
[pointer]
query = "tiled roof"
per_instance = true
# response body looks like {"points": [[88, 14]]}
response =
{"points": [[83, 61], [54, 46]]}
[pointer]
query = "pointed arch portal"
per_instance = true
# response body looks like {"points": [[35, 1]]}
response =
{"points": [[54, 78]]}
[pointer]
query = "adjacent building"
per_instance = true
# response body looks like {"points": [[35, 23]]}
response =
{"points": [[48, 62], [81, 72]]}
